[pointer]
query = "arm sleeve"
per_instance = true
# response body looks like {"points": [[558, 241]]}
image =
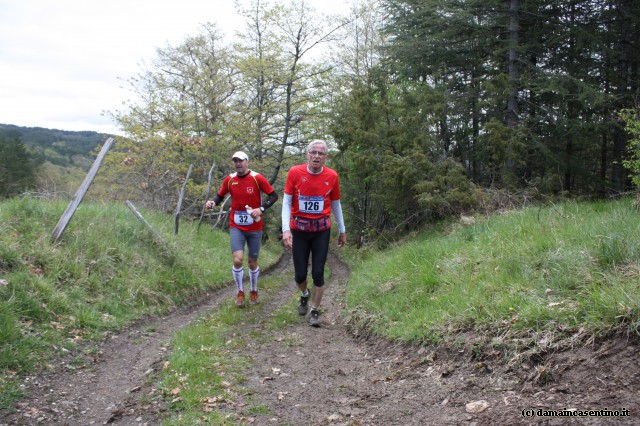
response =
{"points": [[273, 197], [223, 191], [336, 207], [217, 199], [286, 212]]}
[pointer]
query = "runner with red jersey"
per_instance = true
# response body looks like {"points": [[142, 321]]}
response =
{"points": [[311, 194], [245, 188]]}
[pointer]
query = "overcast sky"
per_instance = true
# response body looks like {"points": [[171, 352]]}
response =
{"points": [[64, 62]]}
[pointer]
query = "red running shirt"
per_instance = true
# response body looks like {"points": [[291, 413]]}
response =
{"points": [[311, 194], [244, 190]]}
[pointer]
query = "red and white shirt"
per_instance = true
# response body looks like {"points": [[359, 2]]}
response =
{"points": [[311, 193], [245, 191]]}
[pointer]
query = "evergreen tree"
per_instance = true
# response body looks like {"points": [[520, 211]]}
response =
{"points": [[17, 167], [530, 89]]}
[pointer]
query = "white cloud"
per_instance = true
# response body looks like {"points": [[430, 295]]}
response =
{"points": [[63, 63]]}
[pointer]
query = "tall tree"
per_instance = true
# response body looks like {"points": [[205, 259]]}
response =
{"points": [[17, 167], [179, 118], [186, 89], [281, 83], [357, 56], [626, 59], [455, 49], [359, 47]]}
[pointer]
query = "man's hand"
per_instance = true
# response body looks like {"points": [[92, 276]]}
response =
{"points": [[342, 239], [256, 213], [210, 204], [287, 239]]}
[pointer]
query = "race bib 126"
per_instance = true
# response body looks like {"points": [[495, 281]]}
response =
{"points": [[311, 204]]}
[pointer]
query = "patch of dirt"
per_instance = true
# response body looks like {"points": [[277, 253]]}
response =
{"points": [[328, 375]]}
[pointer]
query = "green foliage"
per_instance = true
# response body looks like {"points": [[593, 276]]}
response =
{"points": [[106, 271], [528, 93], [447, 191], [17, 167], [151, 173], [59, 160], [54, 181], [632, 126], [393, 173], [502, 151]]}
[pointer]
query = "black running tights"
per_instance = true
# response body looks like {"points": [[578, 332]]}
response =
{"points": [[315, 244]]}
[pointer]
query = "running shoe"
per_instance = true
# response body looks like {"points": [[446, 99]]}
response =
{"points": [[314, 318], [240, 299], [253, 297], [303, 307]]}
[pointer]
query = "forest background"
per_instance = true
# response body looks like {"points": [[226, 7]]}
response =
{"points": [[431, 108]]}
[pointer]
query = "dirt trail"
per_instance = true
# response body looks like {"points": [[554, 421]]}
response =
{"points": [[309, 376]]}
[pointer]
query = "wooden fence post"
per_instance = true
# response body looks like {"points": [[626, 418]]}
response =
{"points": [[206, 195], [176, 216], [166, 248], [144, 221], [79, 195]]}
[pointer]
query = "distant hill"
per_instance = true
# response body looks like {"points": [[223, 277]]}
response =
{"points": [[60, 147]]}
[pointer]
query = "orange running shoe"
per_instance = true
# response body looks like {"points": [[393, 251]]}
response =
{"points": [[253, 297], [240, 299]]}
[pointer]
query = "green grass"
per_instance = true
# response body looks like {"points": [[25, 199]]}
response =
{"points": [[105, 271], [556, 271]]}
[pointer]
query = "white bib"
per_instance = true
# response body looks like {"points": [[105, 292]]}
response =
{"points": [[242, 218], [311, 204]]}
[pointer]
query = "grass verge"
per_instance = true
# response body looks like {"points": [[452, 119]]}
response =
{"points": [[535, 279]]}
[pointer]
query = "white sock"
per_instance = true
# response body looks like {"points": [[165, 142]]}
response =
{"points": [[238, 275], [253, 278]]}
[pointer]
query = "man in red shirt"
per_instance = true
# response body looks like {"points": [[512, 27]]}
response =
{"points": [[245, 222], [311, 193]]}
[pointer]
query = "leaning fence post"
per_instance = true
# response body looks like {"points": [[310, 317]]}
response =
{"points": [[176, 217], [135, 211], [206, 195], [156, 237], [222, 212], [79, 195]]}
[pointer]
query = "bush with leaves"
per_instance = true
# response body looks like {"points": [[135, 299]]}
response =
{"points": [[17, 167], [631, 118]]}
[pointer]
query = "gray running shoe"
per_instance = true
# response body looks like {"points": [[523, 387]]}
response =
{"points": [[314, 318], [303, 307]]}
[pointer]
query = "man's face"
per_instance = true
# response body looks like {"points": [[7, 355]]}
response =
{"points": [[317, 155], [241, 166]]}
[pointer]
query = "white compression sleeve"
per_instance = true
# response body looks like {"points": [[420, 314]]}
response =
{"points": [[336, 208], [287, 200]]}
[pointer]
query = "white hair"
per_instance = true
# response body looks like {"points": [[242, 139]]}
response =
{"points": [[318, 142]]}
